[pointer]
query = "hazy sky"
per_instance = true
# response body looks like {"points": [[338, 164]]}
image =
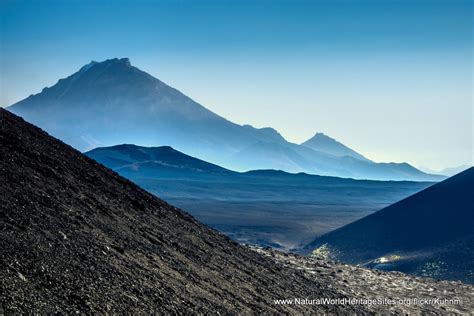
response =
{"points": [[391, 79]]}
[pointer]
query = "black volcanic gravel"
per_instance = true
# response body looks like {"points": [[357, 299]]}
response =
{"points": [[76, 237]]}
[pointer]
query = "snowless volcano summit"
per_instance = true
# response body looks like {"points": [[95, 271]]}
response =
{"points": [[112, 102]]}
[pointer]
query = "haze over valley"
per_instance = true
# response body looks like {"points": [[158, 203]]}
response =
{"points": [[263, 207]]}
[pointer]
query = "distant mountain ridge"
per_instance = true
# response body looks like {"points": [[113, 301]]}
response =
{"points": [[150, 160], [449, 172], [111, 102], [429, 233]]}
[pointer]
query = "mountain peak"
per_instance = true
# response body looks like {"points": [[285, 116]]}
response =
{"points": [[122, 61], [326, 144], [112, 61], [116, 60], [112, 102], [321, 134], [88, 66]]}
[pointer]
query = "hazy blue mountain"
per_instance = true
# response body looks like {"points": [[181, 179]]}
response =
{"points": [[449, 172], [262, 207], [297, 158], [111, 102], [279, 156], [323, 143], [429, 233]]}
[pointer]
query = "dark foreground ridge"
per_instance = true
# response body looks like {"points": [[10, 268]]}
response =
{"points": [[77, 237]]}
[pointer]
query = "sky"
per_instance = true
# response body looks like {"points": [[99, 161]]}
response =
{"points": [[391, 79]]}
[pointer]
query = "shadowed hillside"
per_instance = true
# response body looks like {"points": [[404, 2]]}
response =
{"points": [[430, 233]]}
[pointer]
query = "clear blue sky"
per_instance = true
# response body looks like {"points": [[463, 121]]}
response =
{"points": [[392, 79]]}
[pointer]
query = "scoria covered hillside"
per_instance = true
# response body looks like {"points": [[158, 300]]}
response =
{"points": [[76, 237]]}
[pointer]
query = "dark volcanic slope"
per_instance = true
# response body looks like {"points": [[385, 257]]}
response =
{"points": [[77, 237], [429, 233]]}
